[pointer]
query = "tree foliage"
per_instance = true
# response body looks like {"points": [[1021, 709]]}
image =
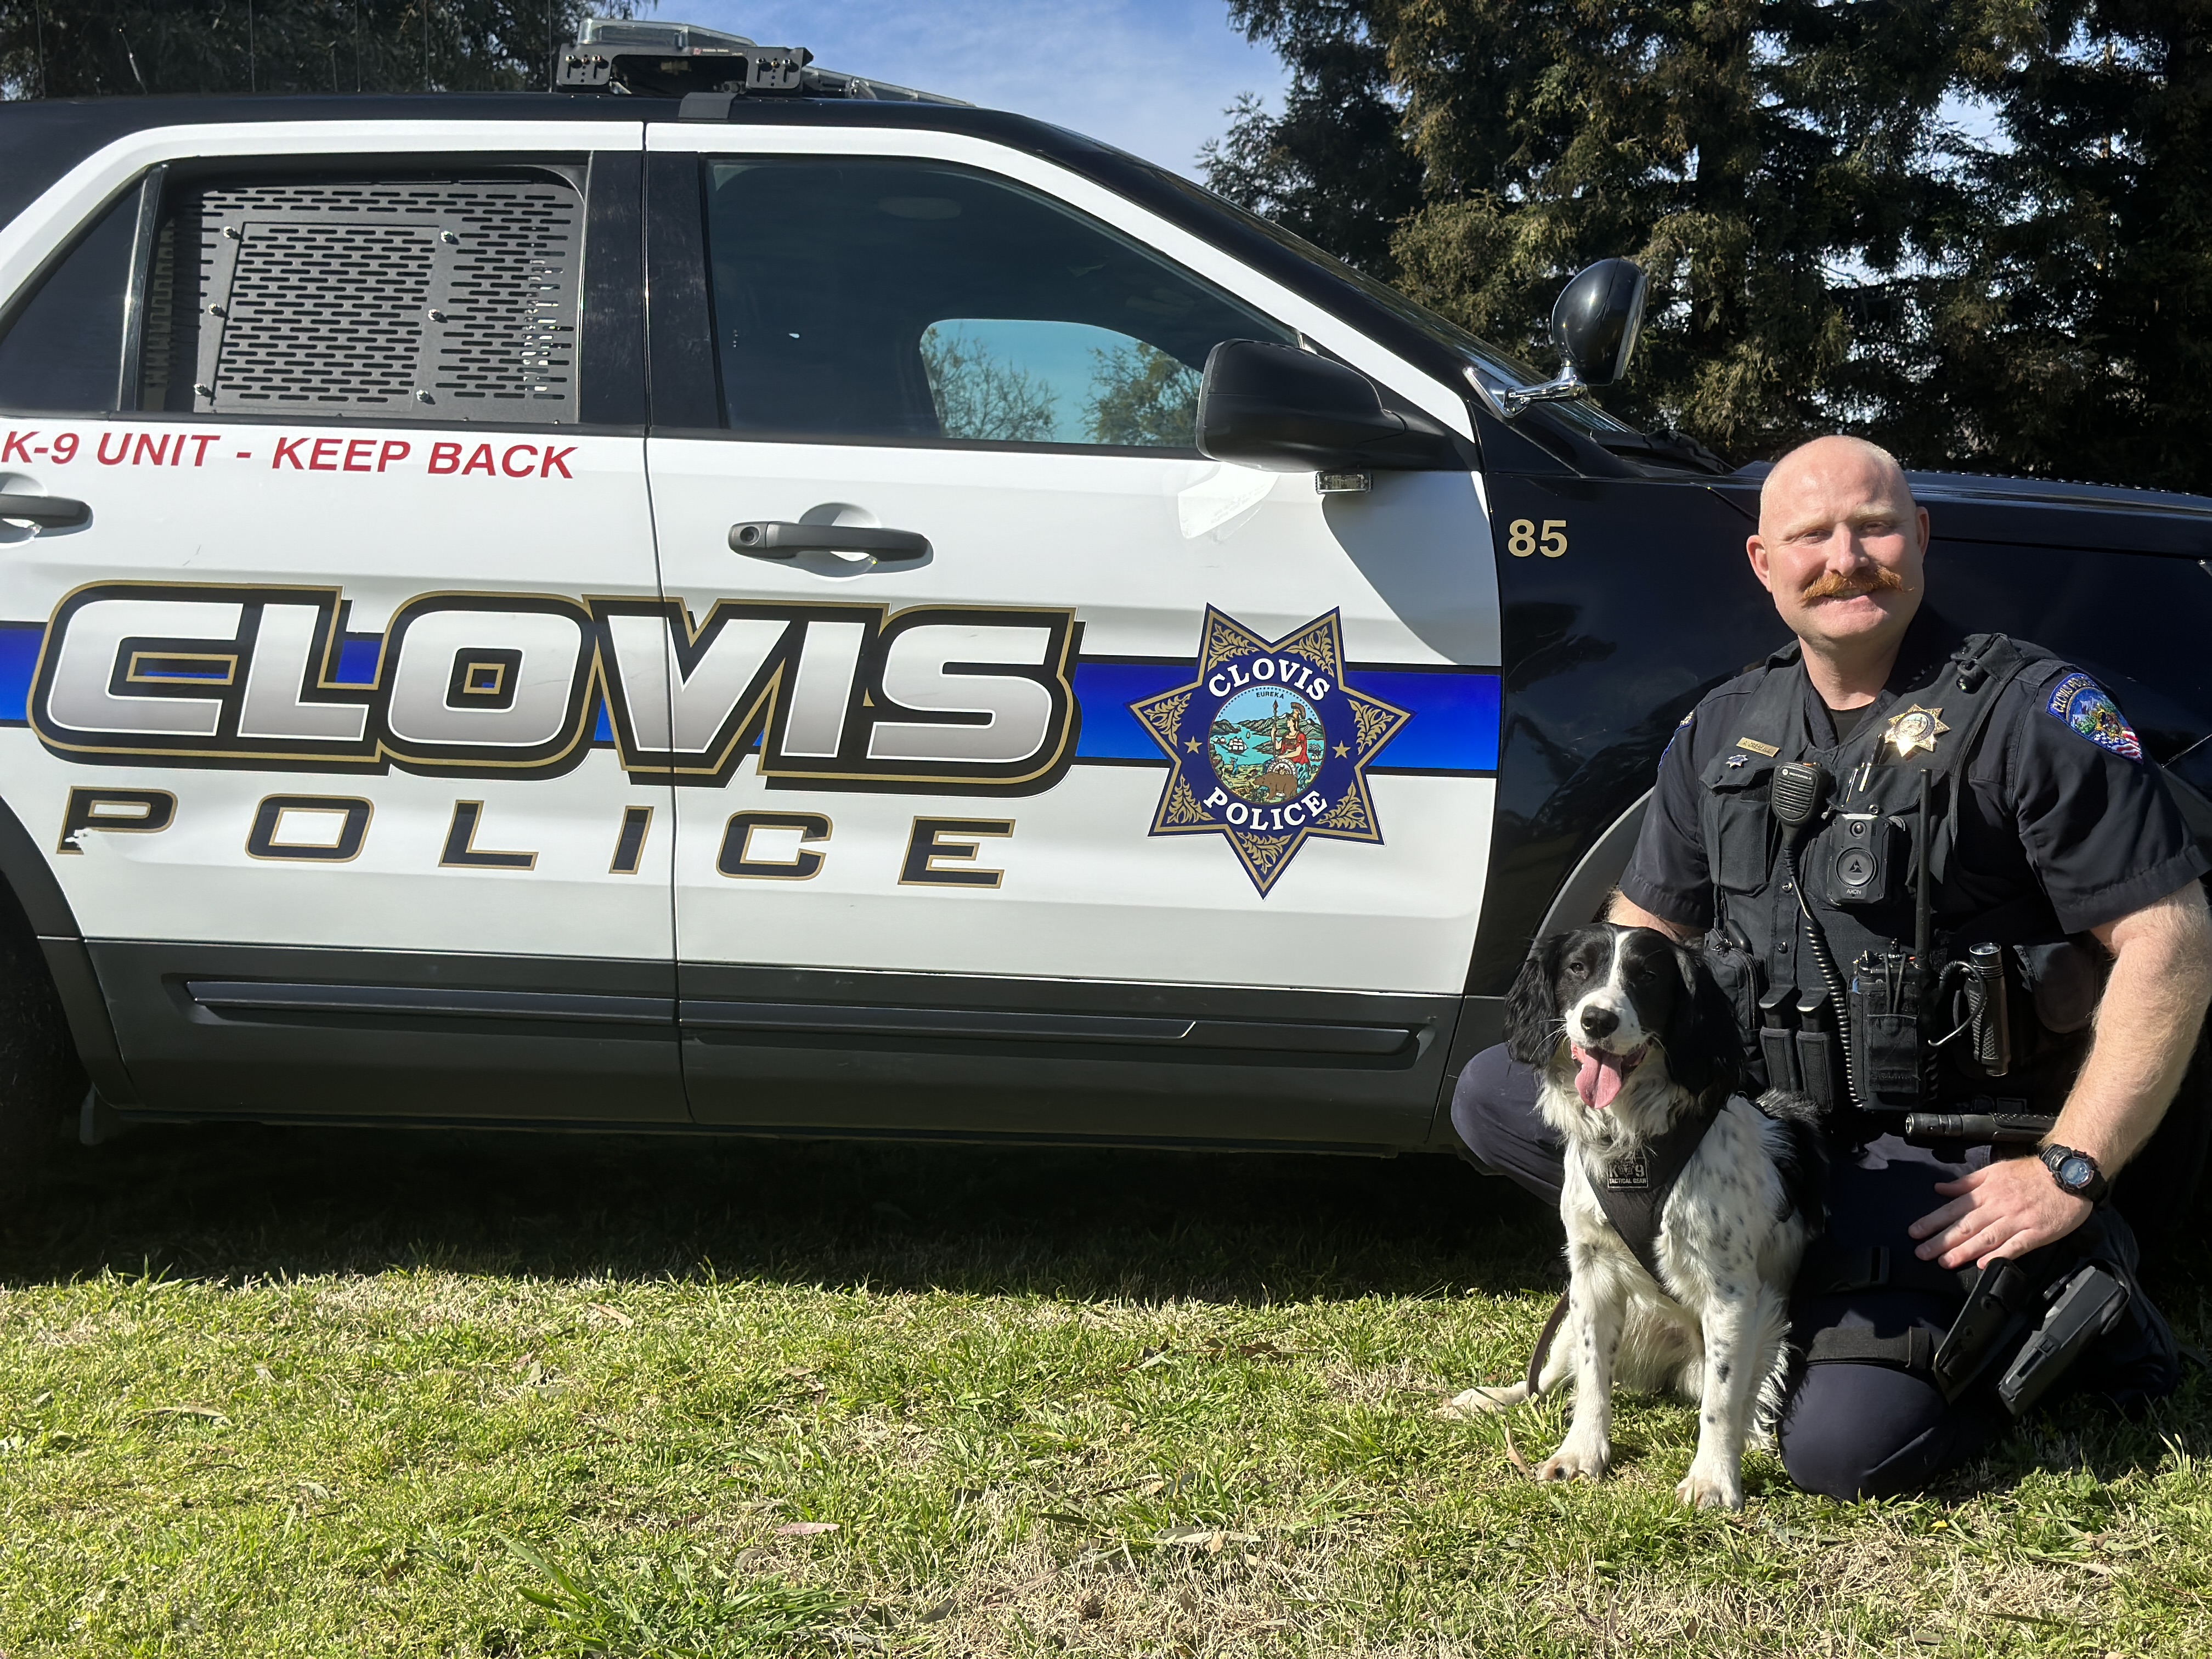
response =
{"points": [[1332, 167], [93, 48], [1976, 230], [981, 397], [1141, 395]]}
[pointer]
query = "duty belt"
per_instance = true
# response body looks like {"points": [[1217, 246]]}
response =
{"points": [[2000, 1302]]}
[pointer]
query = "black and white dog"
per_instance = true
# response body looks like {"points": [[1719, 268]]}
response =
{"points": [[1639, 1059]]}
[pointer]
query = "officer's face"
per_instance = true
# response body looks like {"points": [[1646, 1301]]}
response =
{"points": [[1841, 546]]}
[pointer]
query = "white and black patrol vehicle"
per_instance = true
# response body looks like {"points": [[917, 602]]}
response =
{"points": [[744, 597]]}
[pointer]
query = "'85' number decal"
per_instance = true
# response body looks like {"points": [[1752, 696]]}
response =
{"points": [[1523, 538]]}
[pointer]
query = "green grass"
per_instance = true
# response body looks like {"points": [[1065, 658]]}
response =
{"points": [[322, 1392]]}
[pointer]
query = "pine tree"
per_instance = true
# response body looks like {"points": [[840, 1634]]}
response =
{"points": [[93, 48], [1334, 166], [2075, 344], [1827, 250], [1746, 152]]}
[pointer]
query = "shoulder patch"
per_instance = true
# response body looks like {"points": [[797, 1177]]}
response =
{"points": [[2078, 702]]}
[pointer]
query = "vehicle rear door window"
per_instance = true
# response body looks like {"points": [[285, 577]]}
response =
{"points": [[435, 298], [61, 353], [910, 301]]}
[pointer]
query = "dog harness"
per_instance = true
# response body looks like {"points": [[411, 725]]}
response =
{"points": [[1634, 1188]]}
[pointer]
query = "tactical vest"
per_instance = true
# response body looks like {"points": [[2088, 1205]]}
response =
{"points": [[1850, 871]]}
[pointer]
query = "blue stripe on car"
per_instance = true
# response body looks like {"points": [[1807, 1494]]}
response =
{"points": [[1454, 728]]}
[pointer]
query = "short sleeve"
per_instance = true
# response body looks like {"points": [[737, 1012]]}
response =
{"points": [[2100, 830], [1666, 874]]}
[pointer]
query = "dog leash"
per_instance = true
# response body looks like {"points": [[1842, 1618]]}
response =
{"points": [[1544, 1341]]}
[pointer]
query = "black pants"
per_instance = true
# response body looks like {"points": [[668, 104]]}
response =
{"points": [[1849, 1430]]}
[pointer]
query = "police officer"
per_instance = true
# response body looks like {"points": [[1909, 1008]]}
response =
{"points": [[1980, 791]]}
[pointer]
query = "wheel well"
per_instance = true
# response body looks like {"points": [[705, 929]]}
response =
{"points": [[1580, 898]]}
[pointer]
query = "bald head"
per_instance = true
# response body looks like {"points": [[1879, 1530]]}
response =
{"points": [[1841, 545], [1823, 455]]}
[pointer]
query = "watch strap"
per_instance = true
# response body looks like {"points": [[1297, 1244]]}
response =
{"points": [[2094, 1189]]}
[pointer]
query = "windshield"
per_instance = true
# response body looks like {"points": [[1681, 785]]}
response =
{"points": [[1500, 371]]}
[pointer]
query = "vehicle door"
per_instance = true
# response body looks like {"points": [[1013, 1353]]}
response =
{"points": [[944, 578], [314, 742]]}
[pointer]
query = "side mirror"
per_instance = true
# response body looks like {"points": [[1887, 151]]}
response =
{"points": [[1597, 319], [1287, 410], [1595, 324]]}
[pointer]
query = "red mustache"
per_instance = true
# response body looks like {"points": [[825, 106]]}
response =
{"points": [[1839, 584]]}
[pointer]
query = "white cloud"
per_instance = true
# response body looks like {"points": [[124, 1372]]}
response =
{"points": [[1150, 75]]}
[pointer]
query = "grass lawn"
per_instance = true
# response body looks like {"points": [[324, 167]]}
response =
{"points": [[328, 1392]]}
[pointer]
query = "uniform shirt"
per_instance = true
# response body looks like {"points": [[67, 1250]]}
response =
{"points": [[2045, 806]]}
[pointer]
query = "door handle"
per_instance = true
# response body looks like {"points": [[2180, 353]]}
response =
{"points": [[776, 538], [51, 512]]}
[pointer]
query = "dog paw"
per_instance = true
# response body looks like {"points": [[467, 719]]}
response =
{"points": [[1483, 1402], [1571, 1461], [1710, 1488]]}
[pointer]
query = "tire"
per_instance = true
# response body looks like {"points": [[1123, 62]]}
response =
{"points": [[40, 1077]]}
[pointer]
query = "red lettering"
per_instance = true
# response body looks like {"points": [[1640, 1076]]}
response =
{"points": [[480, 462], [14, 450], [203, 439], [395, 449], [148, 445], [288, 449], [317, 461], [65, 448], [362, 445], [506, 461], [122, 453], [445, 457], [557, 461]]}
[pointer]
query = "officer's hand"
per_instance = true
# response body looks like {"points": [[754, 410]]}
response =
{"points": [[2006, 1209]]}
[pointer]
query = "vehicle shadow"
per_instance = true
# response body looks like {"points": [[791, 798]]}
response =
{"points": [[234, 1202]]}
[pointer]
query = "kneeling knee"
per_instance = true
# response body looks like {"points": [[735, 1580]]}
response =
{"points": [[1854, 1432], [1831, 1464]]}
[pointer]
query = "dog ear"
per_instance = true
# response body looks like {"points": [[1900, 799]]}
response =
{"points": [[1704, 1050], [1532, 1009]]}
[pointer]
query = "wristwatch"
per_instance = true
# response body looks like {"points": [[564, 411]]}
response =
{"points": [[2076, 1172]]}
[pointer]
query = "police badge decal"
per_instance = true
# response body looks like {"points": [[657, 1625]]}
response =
{"points": [[1268, 747]]}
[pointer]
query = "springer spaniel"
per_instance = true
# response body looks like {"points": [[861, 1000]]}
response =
{"points": [[1639, 1059]]}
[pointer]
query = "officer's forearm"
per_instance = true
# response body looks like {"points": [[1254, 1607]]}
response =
{"points": [[1625, 912], [2147, 1026]]}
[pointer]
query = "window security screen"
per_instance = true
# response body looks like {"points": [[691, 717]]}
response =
{"points": [[434, 298]]}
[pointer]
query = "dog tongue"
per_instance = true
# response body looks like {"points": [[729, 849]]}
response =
{"points": [[1598, 1077]]}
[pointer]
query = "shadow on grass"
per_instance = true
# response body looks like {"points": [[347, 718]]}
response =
{"points": [[234, 1200]]}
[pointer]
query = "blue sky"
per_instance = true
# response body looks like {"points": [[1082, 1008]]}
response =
{"points": [[1151, 76]]}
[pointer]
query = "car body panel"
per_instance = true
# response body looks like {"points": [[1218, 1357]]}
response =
{"points": [[1545, 618]]}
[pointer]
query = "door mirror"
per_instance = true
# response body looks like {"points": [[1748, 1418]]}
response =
{"points": [[1595, 326], [1597, 319], [1287, 410]]}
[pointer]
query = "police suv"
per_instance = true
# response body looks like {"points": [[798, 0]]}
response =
{"points": [[759, 599]]}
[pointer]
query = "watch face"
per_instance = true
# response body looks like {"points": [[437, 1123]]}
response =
{"points": [[2076, 1172]]}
